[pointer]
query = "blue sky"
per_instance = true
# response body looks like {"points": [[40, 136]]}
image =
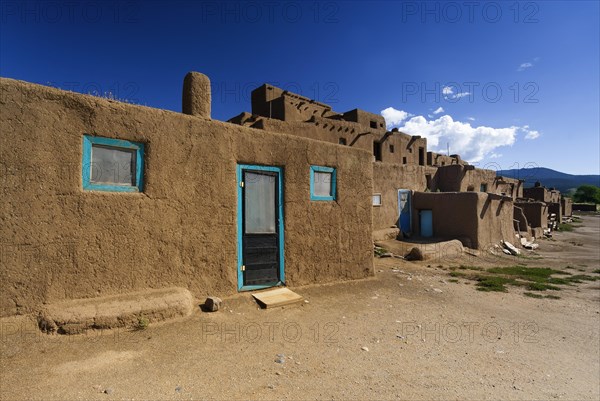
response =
{"points": [[506, 84]]}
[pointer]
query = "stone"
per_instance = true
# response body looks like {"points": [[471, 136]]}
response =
{"points": [[414, 254], [511, 248], [109, 391], [212, 304], [365, 349]]}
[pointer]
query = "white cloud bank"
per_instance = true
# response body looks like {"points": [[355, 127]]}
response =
{"points": [[394, 117], [472, 143]]}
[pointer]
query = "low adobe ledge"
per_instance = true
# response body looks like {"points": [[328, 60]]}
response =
{"points": [[116, 311]]}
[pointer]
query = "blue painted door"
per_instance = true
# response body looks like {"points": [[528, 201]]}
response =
{"points": [[426, 219], [404, 210], [260, 227]]}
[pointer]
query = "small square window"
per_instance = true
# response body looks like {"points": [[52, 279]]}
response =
{"points": [[373, 124], [483, 188], [376, 199], [391, 148], [322, 183], [342, 141], [112, 164]]}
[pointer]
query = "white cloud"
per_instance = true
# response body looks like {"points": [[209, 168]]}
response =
{"points": [[439, 110], [448, 93], [394, 117], [530, 134], [528, 64], [472, 143], [495, 155], [471, 118]]}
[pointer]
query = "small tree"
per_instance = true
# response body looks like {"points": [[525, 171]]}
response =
{"points": [[587, 194]]}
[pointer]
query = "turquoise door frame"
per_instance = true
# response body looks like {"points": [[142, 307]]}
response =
{"points": [[426, 223], [404, 210], [240, 217]]}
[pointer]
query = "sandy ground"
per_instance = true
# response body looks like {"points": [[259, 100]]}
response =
{"points": [[407, 333]]}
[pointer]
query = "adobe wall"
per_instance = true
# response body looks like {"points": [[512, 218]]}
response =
{"points": [[322, 129], [536, 213], [542, 194], [387, 180], [400, 148], [567, 206], [508, 187], [60, 242], [438, 159], [520, 221], [585, 207], [556, 209], [476, 219], [272, 102]]}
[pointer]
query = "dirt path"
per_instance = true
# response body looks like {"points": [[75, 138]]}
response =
{"points": [[427, 338]]}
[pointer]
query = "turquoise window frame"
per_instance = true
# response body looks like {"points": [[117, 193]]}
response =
{"points": [[240, 216], [322, 169], [86, 168]]}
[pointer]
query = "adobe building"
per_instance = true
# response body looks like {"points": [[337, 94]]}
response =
{"points": [[102, 197], [402, 168], [550, 196]]}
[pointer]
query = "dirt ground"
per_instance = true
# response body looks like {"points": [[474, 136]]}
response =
{"points": [[407, 333]]}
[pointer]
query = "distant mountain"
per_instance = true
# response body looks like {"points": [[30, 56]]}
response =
{"points": [[551, 178]]}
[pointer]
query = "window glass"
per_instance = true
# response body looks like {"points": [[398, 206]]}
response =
{"points": [[113, 165], [322, 182], [377, 200], [259, 203]]}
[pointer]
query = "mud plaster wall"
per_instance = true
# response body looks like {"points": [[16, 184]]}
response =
{"points": [[476, 219], [567, 206], [59, 242], [387, 180], [406, 149], [556, 209], [536, 213], [459, 178], [323, 129]]}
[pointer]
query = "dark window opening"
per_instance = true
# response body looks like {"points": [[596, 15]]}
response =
{"points": [[404, 160], [391, 148], [483, 188], [377, 151], [342, 141], [373, 124], [421, 156]]}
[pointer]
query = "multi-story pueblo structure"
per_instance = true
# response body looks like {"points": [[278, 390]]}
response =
{"points": [[103, 198]]}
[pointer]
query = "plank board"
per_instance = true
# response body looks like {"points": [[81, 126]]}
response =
{"points": [[277, 297]]}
